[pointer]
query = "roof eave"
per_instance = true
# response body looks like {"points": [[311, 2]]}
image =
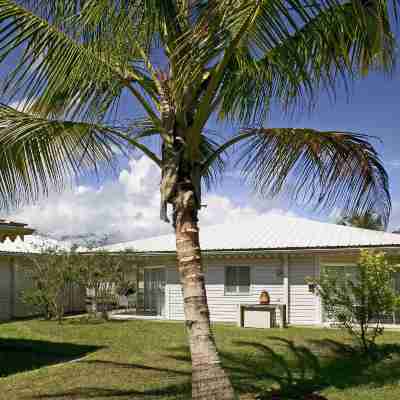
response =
{"points": [[230, 252]]}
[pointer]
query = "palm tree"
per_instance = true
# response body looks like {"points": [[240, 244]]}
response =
{"points": [[369, 220], [184, 62]]}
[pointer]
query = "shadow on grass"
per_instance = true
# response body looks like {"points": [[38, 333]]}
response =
{"points": [[178, 392], [18, 355], [136, 366], [281, 370], [181, 391], [286, 371]]}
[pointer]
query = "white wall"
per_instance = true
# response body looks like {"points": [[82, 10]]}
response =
{"points": [[223, 307], [304, 307]]}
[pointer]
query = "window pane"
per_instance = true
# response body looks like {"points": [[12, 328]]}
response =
{"points": [[244, 289], [244, 279], [244, 276], [230, 289], [230, 284]]}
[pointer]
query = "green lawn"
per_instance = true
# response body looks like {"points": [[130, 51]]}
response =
{"points": [[149, 360]]}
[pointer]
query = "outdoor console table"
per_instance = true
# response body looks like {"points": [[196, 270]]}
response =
{"points": [[257, 315]]}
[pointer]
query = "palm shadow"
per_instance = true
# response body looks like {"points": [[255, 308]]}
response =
{"points": [[290, 371], [285, 370], [18, 355], [136, 366]]}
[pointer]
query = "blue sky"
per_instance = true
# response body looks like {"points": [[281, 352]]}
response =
{"points": [[370, 107]]}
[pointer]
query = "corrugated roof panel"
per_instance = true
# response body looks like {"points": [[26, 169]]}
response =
{"points": [[270, 232]]}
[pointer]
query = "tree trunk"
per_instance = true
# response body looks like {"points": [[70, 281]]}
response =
{"points": [[209, 380]]}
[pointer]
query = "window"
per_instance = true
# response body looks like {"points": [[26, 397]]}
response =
{"points": [[237, 280]]}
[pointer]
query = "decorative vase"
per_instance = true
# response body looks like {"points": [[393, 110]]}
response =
{"points": [[264, 297]]}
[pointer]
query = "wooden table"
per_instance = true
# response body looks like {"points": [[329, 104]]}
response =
{"points": [[261, 307]]}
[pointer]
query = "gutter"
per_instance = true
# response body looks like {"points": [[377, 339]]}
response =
{"points": [[261, 252]]}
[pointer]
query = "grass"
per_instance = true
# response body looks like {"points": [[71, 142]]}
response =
{"points": [[149, 360]]}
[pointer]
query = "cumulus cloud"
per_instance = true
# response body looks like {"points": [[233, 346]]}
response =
{"points": [[125, 209]]}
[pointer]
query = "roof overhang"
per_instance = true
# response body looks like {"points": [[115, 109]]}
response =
{"points": [[263, 253], [12, 230]]}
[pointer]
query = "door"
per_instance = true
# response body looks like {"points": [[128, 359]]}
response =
{"points": [[302, 300], [154, 291]]}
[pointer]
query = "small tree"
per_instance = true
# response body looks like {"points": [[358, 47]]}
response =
{"points": [[359, 302], [51, 272], [105, 276]]}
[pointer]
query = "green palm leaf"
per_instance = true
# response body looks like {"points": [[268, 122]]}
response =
{"points": [[332, 45], [317, 169], [56, 63], [38, 154]]}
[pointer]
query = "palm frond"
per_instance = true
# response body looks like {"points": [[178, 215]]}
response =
{"points": [[56, 63], [317, 169], [339, 42], [287, 53], [37, 154]]}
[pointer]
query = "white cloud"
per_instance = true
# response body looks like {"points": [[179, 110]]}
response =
{"points": [[127, 208]]}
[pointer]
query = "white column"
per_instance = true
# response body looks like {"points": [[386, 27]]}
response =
{"points": [[318, 304], [286, 289], [166, 294]]}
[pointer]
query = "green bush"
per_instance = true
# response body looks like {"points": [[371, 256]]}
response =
{"points": [[360, 302], [54, 271], [51, 273]]}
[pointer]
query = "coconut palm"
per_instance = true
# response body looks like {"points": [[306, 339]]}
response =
{"points": [[369, 220], [183, 63]]}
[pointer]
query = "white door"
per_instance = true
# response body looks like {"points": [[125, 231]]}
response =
{"points": [[5, 294], [302, 302], [154, 291]]}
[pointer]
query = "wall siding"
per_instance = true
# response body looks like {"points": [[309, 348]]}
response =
{"points": [[223, 308], [173, 287], [303, 305], [5, 290]]}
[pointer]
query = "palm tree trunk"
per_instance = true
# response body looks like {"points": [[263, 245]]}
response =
{"points": [[209, 380]]}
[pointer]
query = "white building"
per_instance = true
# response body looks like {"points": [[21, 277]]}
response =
{"points": [[242, 258]]}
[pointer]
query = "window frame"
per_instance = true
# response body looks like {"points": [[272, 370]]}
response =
{"points": [[237, 292]]}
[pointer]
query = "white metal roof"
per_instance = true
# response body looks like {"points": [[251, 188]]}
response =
{"points": [[31, 244], [270, 232]]}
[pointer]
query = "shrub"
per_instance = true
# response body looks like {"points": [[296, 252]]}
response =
{"points": [[51, 272], [106, 277], [360, 302]]}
